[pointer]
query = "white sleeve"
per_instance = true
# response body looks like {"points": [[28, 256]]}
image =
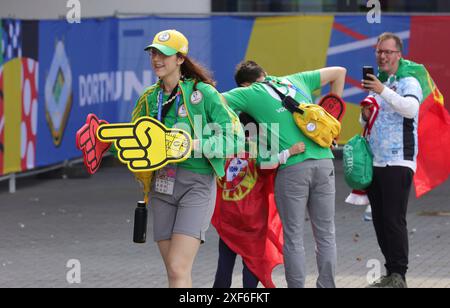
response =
{"points": [[283, 157], [407, 106]]}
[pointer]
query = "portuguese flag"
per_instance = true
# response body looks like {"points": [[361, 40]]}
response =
{"points": [[433, 163], [246, 217]]}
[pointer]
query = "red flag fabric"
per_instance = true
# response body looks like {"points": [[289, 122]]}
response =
{"points": [[433, 163], [434, 128], [246, 217]]}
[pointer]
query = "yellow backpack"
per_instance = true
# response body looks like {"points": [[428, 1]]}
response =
{"points": [[317, 124], [314, 122]]}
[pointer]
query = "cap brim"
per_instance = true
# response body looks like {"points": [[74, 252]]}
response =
{"points": [[164, 49]]}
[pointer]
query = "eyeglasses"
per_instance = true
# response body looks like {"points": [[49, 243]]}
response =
{"points": [[386, 52]]}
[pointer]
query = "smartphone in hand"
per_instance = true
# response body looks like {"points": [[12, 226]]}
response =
{"points": [[367, 70]]}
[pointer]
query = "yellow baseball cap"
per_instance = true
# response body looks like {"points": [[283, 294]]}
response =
{"points": [[169, 42]]}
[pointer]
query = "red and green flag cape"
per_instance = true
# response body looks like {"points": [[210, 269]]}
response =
{"points": [[246, 217], [433, 163]]}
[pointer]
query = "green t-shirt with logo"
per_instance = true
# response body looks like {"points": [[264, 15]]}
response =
{"points": [[179, 119], [262, 103]]}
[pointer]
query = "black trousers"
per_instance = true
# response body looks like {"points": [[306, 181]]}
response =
{"points": [[388, 195], [225, 267]]}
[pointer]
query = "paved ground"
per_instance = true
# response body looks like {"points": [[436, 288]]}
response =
{"points": [[50, 221]]}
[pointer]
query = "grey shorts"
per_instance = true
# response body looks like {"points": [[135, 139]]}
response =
{"points": [[188, 211]]}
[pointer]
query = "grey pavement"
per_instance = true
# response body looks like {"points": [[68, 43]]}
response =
{"points": [[51, 221]]}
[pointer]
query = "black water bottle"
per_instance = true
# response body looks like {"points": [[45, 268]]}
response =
{"points": [[140, 223]]}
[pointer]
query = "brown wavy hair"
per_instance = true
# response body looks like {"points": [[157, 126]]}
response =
{"points": [[191, 69]]}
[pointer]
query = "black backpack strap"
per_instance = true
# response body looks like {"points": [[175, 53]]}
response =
{"points": [[288, 102]]}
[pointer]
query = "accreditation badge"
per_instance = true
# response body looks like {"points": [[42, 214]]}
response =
{"points": [[165, 180]]}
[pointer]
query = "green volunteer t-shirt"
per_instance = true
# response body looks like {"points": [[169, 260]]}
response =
{"points": [[262, 103], [179, 118]]}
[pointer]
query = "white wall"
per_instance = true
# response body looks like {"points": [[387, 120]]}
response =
{"points": [[54, 9]]}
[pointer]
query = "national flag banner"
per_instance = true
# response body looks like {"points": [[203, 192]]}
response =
{"points": [[433, 163], [246, 217]]}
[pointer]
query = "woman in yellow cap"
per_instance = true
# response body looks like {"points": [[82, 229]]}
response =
{"points": [[182, 197]]}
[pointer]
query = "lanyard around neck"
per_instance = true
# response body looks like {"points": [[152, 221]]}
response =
{"points": [[174, 95]]}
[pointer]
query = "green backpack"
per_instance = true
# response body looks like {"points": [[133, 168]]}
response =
{"points": [[358, 160]]}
